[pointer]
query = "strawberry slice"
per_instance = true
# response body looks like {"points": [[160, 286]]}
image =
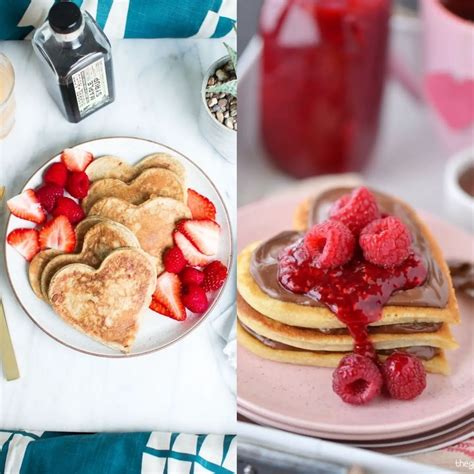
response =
{"points": [[24, 241], [158, 307], [200, 206], [27, 206], [58, 234], [76, 159], [167, 297], [203, 233], [192, 255]]}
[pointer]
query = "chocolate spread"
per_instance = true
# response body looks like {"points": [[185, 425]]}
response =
{"points": [[264, 263], [422, 352]]}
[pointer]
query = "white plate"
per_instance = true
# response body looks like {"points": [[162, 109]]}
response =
{"points": [[156, 331]]}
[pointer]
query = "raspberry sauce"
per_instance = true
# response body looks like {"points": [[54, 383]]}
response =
{"points": [[355, 292]]}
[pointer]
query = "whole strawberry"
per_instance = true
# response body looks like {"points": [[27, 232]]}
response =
{"points": [[67, 207], [195, 299], [173, 260], [56, 174], [48, 195], [191, 276], [78, 184], [215, 275], [404, 376]]}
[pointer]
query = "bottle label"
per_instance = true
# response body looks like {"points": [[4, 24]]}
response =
{"points": [[90, 86]]}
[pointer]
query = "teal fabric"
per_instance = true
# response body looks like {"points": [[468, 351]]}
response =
{"points": [[141, 18], [115, 453]]}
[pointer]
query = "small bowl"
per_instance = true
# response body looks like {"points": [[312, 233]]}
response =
{"points": [[459, 204], [222, 138]]}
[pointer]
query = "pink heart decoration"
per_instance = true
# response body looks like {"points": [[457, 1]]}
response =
{"points": [[452, 98]]}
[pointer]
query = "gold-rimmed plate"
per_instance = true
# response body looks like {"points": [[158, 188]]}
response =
{"points": [[156, 332]]}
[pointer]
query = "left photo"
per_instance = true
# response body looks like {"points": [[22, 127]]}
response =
{"points": [[118, 136]]}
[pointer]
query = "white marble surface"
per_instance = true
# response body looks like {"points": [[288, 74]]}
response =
{"points": [[180, 388]]}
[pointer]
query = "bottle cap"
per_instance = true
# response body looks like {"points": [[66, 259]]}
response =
{"points": [[65, 17]]}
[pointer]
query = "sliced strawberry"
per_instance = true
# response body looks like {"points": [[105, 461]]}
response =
{"points": [[24, 241], [200, 206], [27, 206], [203, 233], [58, 234], [76, 159], [192, 255], [168, 295], [158, 307]]}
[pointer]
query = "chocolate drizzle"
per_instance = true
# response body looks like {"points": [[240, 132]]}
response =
{"points": [[264, 263]]}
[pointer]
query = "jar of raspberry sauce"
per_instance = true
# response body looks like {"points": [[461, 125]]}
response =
{"points": [[323, 71]]}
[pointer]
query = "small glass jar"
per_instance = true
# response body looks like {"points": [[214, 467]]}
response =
{"points": [[323, 71], [76, 60]]}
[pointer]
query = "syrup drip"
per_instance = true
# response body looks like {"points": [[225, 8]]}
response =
{"points": [[355, 292]]}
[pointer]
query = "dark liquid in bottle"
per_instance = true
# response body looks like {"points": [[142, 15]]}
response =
{"points": [[461, 8], [65, 58]]}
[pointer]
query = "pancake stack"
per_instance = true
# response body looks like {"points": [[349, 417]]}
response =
{"points": [[104, 286], [277, 324]]}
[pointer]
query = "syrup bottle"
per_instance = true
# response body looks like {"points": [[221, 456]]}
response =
{"points": [[76, 61]]}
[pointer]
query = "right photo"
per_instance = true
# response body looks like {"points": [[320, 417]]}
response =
{"points": [[355, 271]]}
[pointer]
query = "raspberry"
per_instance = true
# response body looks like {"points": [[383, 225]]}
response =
{"points": [[385, 242], [195, 299], [357, 379], [48, 195], [355, 210], [78, 184], [404, 376], [191, 276], [173, 260], [67, 207], [57, 174], [330, 244], [214, 276]]}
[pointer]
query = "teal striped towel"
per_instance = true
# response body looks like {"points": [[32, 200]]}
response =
{"points": [[24, 452], [129, 18]]}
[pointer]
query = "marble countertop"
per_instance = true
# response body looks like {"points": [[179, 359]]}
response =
{"points": [[178, 389]]}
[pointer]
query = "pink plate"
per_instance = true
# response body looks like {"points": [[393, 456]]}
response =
{"points": [[301, 397]]}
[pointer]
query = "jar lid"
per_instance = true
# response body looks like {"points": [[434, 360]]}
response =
{"points": [[65, 17]]}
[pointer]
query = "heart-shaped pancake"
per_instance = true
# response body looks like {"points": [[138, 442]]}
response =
{"points": [[41, 259], [152, 182], [98, 242], [152, 222], [114, 167], [106, 304]]}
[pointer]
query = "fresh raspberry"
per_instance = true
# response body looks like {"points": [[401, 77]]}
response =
{"points": [[191, 276], [78, 184], [214, 276], [404, 376], [174, 260], [48, 195], [385, 242], [57, 174], [355, 210], [67, 207], [330, 244], [195, 299], [357, 379]]}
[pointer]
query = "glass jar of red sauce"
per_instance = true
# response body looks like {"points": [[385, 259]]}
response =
{"points": [[323, 71]]}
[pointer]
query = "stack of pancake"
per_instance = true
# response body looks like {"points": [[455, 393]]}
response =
{"points": [[293, 328], [105, 285]]}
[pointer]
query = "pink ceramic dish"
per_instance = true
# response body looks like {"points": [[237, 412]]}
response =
{"points": [[302, 398]]}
